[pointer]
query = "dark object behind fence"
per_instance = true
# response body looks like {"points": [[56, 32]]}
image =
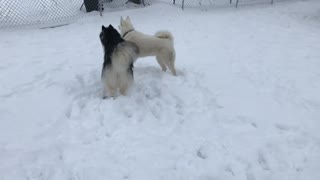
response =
{"points": [[91, 5]]}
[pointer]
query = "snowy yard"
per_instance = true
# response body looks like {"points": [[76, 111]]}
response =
{"points": [[244, 106]]}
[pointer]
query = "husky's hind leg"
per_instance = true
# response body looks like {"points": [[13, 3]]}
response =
{"points": [[172, 68], [126, 80], [169, 59], [161, 63]]}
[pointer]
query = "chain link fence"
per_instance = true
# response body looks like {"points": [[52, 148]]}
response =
{"points": [[51, 13]]}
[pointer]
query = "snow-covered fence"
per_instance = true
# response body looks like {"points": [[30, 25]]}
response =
{"points": [[55, 12], [51, 13]]}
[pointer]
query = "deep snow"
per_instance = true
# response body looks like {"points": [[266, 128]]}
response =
{"points": [[245, 104]]}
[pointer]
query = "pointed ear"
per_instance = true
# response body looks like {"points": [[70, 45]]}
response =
{"points": [[121, 20], [128, 19], [110, 26], [103, 28]]}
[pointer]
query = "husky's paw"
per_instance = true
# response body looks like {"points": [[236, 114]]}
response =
{"points": [[164, 69], [109, 97]]}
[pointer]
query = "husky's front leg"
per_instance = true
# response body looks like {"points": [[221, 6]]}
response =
{"points": [[112, 91], [108, 92], [105, 87]]}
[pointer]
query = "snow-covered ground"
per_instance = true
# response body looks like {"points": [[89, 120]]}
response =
{"points": [[245, 104]]}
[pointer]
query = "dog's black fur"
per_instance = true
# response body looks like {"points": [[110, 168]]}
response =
{"points": [[110, 38]]}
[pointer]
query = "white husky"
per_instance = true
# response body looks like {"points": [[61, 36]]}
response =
{"points": [[159, 45]]}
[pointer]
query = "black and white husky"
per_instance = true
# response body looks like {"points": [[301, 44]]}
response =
{"points": [[119, 56]]}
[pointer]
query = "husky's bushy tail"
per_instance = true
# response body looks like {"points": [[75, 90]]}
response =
{"points": [[164, 35]]}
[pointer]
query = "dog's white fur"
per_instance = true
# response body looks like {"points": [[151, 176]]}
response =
{"points": [[117, 76], [159, 45]]}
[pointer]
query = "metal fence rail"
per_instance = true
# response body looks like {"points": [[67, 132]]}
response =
{"points": [[50, 13], [214, 3]]}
